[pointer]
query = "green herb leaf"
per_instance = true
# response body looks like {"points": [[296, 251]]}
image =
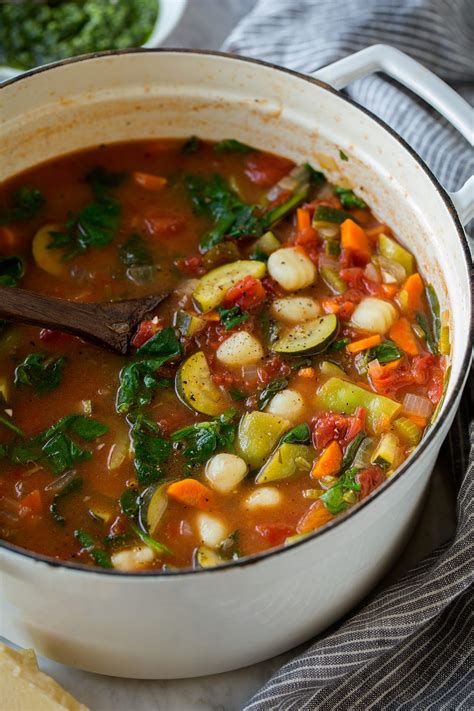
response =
{"points": [[192, 145], [349, 199], [42, 373], [89, 544], [26, 203], [343, 155], [339, 345], [230, 145], [11, 426], [300, 433], [150, 448], [232, 317], [385, 352], [324, 213], [134, 252], [74, 485], [270, 390], [129, 503], [11, 270], [94, 226], [333, 498], [151, 542], [203, 438]]}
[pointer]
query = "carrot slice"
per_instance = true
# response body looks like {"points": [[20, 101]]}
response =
{"points": [[303, 220], [191, 492], [389, 290], [307, 373], [32, 503], [402, 334], [354, 238], [149, 182], [364, 344], [410, 294], [316, 516], [418, 420], [329, 461]]}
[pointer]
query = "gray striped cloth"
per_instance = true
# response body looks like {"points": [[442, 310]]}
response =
{"points": [[411, 646]]}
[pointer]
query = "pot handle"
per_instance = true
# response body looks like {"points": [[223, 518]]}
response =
{"points": [[413, 75]]}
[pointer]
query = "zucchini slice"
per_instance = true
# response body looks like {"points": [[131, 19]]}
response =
{"points": [[188, 324], [195, 388], [214, 285], [47, 259], [257, 436], [308, 338], [152, 505], [205, 557], [286, 461]]}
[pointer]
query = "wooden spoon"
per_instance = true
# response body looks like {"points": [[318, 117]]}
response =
{"points": [[109, 325]]}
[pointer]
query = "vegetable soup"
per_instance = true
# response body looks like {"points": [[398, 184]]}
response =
{"points": [[295, 364]]}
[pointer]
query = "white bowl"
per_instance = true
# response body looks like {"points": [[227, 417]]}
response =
{"points": [[169, 14]]}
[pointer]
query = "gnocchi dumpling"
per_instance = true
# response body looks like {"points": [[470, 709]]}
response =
{"points": [[211, 530], [225, 471], [374, 315], [288, 404], [291, 268], [295, 309], [240, 348], [264, 497]]}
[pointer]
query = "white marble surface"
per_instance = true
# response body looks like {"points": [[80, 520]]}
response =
{"points": [[205, 24]]}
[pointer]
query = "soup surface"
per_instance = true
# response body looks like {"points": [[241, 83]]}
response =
{"points": [[294, 366]]}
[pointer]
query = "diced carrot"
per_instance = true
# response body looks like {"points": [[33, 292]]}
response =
{"points": [[401, 333], [376, 230], [210, 316], [329, 461], [362, 216], [410, 294], [307, 373], [32, 503], [303, 220], [354, 238], [363, 344], [316, 516], [389, 290], [330, 306], [418, 420], [148, 181], [8, 238], [346, 309], [191, 492]]}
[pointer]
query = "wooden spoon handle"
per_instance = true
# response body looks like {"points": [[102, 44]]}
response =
{"points": [[110, 325]]}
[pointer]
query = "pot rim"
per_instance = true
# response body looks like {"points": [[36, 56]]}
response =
{"points": [[426, 441]]}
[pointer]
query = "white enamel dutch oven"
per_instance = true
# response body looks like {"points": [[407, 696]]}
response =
{"points": [[189, 623]]}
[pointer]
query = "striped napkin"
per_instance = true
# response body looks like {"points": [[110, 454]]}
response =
{"points": [[410, 647]]}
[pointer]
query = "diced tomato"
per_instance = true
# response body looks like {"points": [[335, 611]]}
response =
{"points": [[192, 266], [308, 239], [422, 369], [435, 388], [55, 337], [353, 276], [145, 331], [246, 293], [275, 367], [159, 225], [369, 479], [265, 170], [31, 504], [272, 286], [275, 533], [329, 426]]}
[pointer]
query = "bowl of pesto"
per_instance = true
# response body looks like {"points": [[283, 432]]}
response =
{"points": [[33, 34]]}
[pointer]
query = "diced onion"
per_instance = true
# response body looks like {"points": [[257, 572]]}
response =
{"points": [[417, 405], [325, 260], [249, 373], [392, 272], [372, 273], [61, 482], [364, 453], [328, 232]]}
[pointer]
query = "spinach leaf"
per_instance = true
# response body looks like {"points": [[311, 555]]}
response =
{"points": [[349, 199], [151, 542], [203, 438], [102, 181], [232, 317], [424, 325], [324, 213], [299, 434], [11, 270], [129, 503], [385, 352], [138, 380], [316, 177], [42, 373], [334, 498], [339, 345], [71, 487], [150, 448], [134, 252], [231, 145], [26, 203], [351, 450], [88, 543], [270, 390], [55, 448], [94, 226], [343, 155], [192, 145], [216, 200]]}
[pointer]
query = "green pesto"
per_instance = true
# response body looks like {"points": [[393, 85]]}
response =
{"points": [[34, 33]]}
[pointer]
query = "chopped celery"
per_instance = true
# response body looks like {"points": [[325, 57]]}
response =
{"points": [[332, 279], [329, 369], [332, 247], [392, 250], [267, 244], [386, 451], [444, 341], [313, 493], [345, 397], [407, 430], [258, 434], [286, 461]]}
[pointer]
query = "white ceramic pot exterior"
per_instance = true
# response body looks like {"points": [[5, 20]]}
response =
{"points": [[188, 624]]}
